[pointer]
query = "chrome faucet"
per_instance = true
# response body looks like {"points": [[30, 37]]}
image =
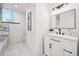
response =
{"points": [[59, 31]]}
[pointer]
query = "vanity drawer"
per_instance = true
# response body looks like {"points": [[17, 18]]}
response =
{"points": [[56, 39], [69, 48], [60, 46]]}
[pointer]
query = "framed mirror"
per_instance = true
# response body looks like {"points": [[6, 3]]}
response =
{"points": [[65, 20]]}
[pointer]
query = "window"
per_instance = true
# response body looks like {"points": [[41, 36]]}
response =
{"points": [[10, 16], [16, 17], [7, 15]]}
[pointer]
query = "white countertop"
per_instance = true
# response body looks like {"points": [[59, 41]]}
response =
{"points": [[62, 36]]}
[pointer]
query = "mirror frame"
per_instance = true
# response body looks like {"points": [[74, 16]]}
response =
{"points": [[62, 13]]}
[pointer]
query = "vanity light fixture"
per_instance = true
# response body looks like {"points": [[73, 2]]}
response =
{"points": [[60, 6]]}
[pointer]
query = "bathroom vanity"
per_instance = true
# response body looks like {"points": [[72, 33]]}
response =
{"points": [[3, 46], [3, 41], [4, 38], [60, 45]]}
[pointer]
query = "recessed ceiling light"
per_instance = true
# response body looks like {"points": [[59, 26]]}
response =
{"points": [[16, 6]]}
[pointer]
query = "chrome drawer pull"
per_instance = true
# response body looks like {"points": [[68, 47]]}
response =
{"points": [[67, 51], [55, 40]]}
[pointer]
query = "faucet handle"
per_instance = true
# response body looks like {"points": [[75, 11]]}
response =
{"points": [[62, 33]]}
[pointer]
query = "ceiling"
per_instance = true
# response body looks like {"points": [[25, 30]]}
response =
{"points": [[22, 6]]}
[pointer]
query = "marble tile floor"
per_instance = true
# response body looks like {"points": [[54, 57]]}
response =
{"points": [[19, 50]]}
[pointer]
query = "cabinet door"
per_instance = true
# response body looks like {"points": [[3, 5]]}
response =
{"points": [[56, 47], [47, 46], [69, 48]]}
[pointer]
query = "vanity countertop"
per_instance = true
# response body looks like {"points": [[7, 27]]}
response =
{"points": [[62, 36]]}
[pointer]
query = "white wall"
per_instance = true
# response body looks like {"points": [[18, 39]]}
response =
{"points": [[40, 18], [17, 31], [30, 35]]}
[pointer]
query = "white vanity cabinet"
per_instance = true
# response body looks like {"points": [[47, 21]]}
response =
{"points": [[3, 43], [69, 47], [47, 46], [59, 46], [3, 46], [52, 46], [55, 47]]}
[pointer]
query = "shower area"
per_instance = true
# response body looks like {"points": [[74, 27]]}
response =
{"points": [[12, 30]]}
